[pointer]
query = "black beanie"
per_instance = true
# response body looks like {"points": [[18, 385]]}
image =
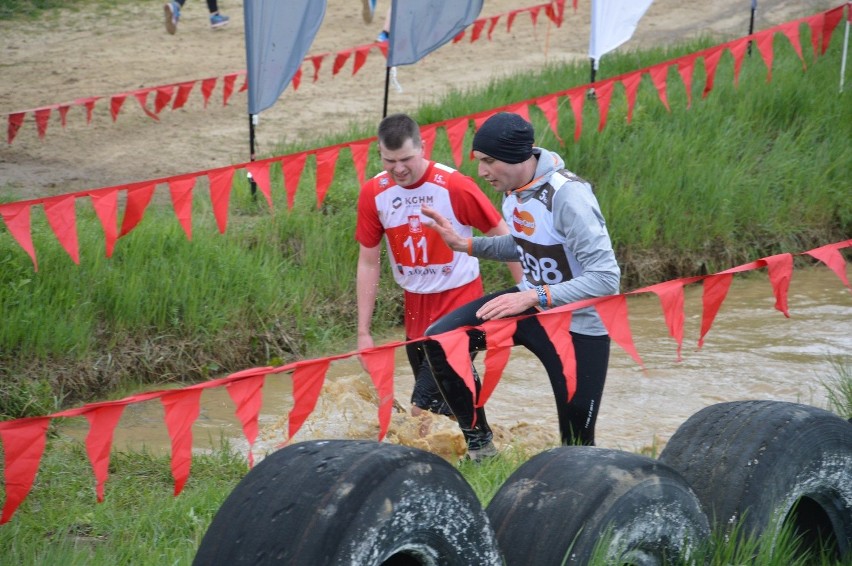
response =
{"points": [[506, 137]]}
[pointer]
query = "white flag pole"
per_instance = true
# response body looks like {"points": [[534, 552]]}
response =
{"points": [[845, 45]]}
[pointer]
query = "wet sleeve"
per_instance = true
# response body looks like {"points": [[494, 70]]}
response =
{"points": [[577, 216], [471, 205]]}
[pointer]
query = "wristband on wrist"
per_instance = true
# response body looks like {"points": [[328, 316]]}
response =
{"points": [[543, 296], [470, 246]]}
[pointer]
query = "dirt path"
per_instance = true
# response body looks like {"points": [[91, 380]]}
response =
{"points": [[70, 55]]}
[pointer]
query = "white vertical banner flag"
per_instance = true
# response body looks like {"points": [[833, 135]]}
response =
{"points": [[613, 23]]}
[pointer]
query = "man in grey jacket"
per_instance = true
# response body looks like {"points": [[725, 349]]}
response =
{"points": [[560, 236]]}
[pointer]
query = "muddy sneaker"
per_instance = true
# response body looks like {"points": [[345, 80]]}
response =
{"points": [[368, 8], [172, 13], [482, 453], [218, 21]]}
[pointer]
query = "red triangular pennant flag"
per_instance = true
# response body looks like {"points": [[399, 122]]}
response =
{"points": [[102, 423], [631, 86], [181, 192], [738, 50], [498, 342], [379, 363], [685, 68], [791, 31], [456, 129], [220, 195], [307, 384], [764, 45], [326, 163], [670, 294], [577, 98], [549, 107], [23, 446], [340, 60], [360, 57], [476, 30], [42, 116], [832, 18], [63, 114], [142, 97], [455, 344], [711, 61], [317, 62], [522, 109], [137, 201], [62, 216], [292, 166], [780, 272], [510, 19], [259, 171], [90, 108], [247, 395], [613, 312], [163, 97], [183, 91], [207, 86], [17, 219], [427, 137], [16, 119], [228, 87], [115, 104], [360, 156], [557, 325], [106, 207], [832, 257], [715, 290], [181, 410], [659, 76], [603, 95], [492, 24]]}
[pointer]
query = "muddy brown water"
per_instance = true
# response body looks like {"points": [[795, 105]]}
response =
{"points": [[752, 352]]}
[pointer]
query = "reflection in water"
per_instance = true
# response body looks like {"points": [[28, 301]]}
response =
{"points": [[752, 352]]}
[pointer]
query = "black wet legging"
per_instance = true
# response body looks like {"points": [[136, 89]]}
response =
{"points": [[576, 418]]}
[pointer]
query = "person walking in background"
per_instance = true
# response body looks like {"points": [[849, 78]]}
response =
{"points": [[368, 10], [561, 239], [435, 279], [172, 13]]}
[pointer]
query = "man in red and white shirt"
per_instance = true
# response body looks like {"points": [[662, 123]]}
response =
{"points": [[434, 278]]}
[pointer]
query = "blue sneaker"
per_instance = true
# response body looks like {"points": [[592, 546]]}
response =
{"points": [[383, 36], [218, 21], [172, 13]]}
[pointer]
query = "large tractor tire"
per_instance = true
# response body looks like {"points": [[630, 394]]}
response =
{"points": [[350, 502], [768, 465], [563, 503]]}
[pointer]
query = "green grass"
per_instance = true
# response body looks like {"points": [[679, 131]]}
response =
{"points": [[747, 172]]}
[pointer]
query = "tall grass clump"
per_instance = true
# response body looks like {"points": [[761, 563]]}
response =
{"points": [[750, 170]]}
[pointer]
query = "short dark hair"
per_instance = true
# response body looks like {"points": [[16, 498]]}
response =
{"points": [[396, 128]]}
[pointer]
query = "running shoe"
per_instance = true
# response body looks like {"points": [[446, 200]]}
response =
{"points": [[482, 453], [218, 21], [383, 36], [172, 13], [368, 8]]}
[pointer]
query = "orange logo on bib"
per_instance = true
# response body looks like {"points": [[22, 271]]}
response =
{"points": [[523, 222]]}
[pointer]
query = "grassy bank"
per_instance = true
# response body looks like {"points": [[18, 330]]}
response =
{"points": [[747, 172]]}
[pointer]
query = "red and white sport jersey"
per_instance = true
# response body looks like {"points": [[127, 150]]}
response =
{"points": [[421, 261]]}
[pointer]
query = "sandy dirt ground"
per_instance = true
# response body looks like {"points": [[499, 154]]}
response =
{"points": [[74, 54]]}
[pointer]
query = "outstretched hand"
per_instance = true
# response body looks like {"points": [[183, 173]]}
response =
{"points": [[444, 228]]}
